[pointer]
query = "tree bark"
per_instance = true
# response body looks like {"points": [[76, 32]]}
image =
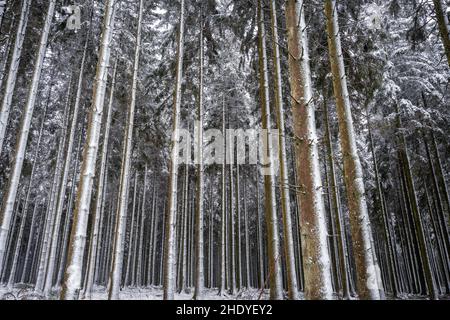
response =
{"points": [[316, 260], [73, 272], [368, 280], [444, 24], [170, 223], [274, 251]]}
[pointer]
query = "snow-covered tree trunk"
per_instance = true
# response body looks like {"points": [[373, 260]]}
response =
{"points": [[141, 232], [444, 26], [369, 284], [132, 227], [150, 238], [211, 241], [184, 226], [119, 241], [93, 251], [231, 221], [238, 229], [13, 70], [274, 251], [65, 236], [9, 196], [284, 181], [72, 281], [246, 239], [199, 214], [336, 209], [118, 251], [259, 236], [154, 240], [135, 247], [314, 232], [170, 223], [223, 238]]}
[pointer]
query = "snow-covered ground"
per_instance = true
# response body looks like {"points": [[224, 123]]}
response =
{"points": [[24, 292]]}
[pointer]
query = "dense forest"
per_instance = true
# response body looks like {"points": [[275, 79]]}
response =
{"points": [[224, 149]]}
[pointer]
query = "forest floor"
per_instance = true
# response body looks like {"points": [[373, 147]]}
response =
{"points": [[26, 292]]}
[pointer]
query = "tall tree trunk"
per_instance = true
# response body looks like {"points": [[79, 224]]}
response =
{"points": [[316, 260], [284, 181], [170, 223], [368, 278], [336, 208], [274, 254], [119, 241], [14, 69], [231, 221], [73, 273], [442, 19], [141, 232], [238, 231], [199, 214], [93, 251], [9, 196], [223, 238], [154, 240], [65, 237], [130, 238], [246, 239]]}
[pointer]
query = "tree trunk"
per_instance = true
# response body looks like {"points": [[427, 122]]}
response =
{"points": [[223, 238], [274, 254], [316, 260], [368, 278], [119, 241], [170, 223], [199, 214], [73, 273], [93, 251], [442, 19]]}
